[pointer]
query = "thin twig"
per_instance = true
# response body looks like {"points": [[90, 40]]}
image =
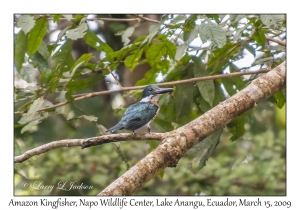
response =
{"points": [[84, 143], [276, 40], [114, 76], [156, 21], [148, 19], [90, 95], [104, 19]]}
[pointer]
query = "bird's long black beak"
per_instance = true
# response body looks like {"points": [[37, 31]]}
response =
{"points": [[163, 90]]}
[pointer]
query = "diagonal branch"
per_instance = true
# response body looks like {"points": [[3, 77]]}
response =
{"points": [[278, 41], [90, 95], [84, 143], [114, 76], [176, 143]]}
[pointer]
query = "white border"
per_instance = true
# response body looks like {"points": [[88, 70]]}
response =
{"points": [[154, 6]]}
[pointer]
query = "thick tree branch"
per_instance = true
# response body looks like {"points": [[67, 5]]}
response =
{"points": [[90, 95], [84, 143], [176, 143], [278, 41]]}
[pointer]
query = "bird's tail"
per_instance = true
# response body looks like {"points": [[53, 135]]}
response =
{"points": [[115, 128]]}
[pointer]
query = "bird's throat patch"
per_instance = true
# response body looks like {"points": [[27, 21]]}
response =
{"points": [[155, 103]]}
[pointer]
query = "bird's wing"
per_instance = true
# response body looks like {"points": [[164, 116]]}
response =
{"points": [[138, 115]]}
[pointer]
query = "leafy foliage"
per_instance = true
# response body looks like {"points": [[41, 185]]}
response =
{"points": [[171, 51], [36, 35]]}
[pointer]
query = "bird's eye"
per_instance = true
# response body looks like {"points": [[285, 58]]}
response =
{"points": [[150, 89]]}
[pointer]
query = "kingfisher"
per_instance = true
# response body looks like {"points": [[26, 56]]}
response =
{"points": [[143, 112]]}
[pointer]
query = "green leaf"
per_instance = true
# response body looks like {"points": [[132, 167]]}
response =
{"points": [[223, 54], [203, 104], [63, 60], [250, 49], [26, 23], [69, 74], [280, 98], [206, 147], [27, 73], [37, 104], [30, 125], [78, 32], [20, 49], [178, 18], [213, 32], [17, 150], [153, 30], [238, 33], [36, 35], [51, 47], [159, 50], [119, 33], [228, 86], [43, 50], [259, 37], [183, 99], [272, 21], [90, 118], [93, 40], [79, 18], [62, 33], [68, 17], [189, 23], [128, 32], [236, 127], [82, 60], [56, 17], [215, 17], [25, 106], [234, 19], [206, 88], [69, 97], [32, 114], [84, 83], [133, 59], [53, 85], [39, 61], [149, 77], [189, 36], [219, 67], [180, 51], [61, 98]]}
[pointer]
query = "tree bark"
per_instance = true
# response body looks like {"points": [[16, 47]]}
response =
{"points": [[176, 143]]}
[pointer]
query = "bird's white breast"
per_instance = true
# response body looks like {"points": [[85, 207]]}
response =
{"points": [[151, 98]]}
